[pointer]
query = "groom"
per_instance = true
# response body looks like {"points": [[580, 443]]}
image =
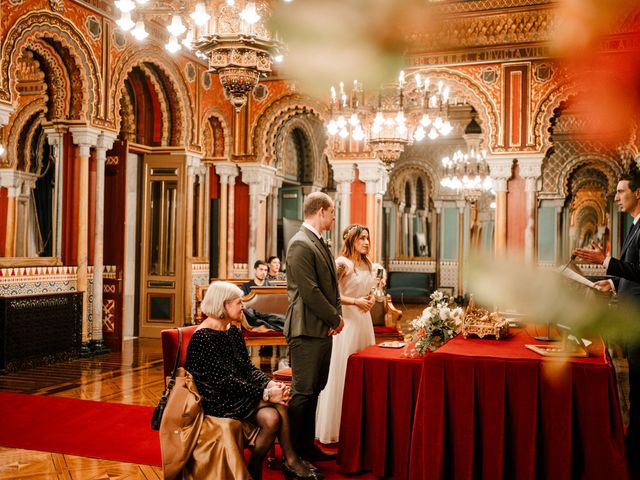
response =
{"points": [[313, 316]]}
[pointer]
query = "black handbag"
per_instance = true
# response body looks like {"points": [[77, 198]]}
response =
{"points": [[156, 419]]}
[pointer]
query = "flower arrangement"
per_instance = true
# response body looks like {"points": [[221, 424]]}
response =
{"points": [[437, 324]]}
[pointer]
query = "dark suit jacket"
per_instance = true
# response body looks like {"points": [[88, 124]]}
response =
{"points": [[627, 268], [314, 298]]}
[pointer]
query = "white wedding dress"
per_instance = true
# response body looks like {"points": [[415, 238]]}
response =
{"points": [[356, 335]]}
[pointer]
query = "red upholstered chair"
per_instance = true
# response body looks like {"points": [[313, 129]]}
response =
{"points": [[170, 348]]}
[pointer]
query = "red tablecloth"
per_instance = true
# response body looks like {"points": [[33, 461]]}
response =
{"points": [[494, 409], [377, 412]]}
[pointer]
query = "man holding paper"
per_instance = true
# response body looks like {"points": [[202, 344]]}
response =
{"points": [[626, 273]]}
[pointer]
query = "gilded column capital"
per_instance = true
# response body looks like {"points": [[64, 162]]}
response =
{"points": [[500, 169], [344, 171], [105, 142], [259, 178], [85, 137], [375, 176], [226, 171], [6, 109]]}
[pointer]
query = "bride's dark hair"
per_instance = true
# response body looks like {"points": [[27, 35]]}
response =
{"points": [[349, 237]]}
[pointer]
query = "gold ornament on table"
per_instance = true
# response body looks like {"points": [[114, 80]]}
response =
{"points": [[479, 321]]}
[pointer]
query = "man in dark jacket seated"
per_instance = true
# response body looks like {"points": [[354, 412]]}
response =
{"points": [[260, 269]]}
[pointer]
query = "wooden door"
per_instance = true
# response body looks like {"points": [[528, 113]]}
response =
{"points": [[162, 252]]}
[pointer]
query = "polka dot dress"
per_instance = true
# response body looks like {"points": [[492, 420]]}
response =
{"points": [[230, 385]]}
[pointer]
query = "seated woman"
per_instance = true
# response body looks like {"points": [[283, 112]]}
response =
{"points": [[274, 274], [232, 387]]}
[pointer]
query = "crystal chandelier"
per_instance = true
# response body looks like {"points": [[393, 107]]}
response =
{"points": [[401, 115], [231, 35], [468, 171]]}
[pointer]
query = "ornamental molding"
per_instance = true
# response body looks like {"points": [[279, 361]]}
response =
{"points": [[226, 170], [375, 176], [478, 29]]}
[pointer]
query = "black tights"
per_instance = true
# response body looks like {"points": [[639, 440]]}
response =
{"points": [[273, 421]]}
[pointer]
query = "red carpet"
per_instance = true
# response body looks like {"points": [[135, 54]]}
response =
{"points": [[110, 431]]}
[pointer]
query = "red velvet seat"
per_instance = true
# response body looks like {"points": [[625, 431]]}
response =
{"points": [[169, 340]]}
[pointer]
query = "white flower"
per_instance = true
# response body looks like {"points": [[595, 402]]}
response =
{"points": [[437, 296], [444, 313]]}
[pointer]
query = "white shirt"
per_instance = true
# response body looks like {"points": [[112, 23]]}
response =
{"points": [[310, 227]]}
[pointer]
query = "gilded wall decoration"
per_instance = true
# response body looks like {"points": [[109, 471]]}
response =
{"points": [[93, 26], [181, 104], [119, 39], [260, 92], [206, 80], [56, 5], [489, 75], [190, 72], [32, 27], [485, 29], [543, 72]]}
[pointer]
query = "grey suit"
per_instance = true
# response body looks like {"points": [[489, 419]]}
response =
{"points": [[314, 308], [627, 280]]}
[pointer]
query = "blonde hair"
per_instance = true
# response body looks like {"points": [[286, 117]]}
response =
{"points": [[217, 295]]}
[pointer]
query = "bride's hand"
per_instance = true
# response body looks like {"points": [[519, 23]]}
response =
{"points": [[365, 303]]}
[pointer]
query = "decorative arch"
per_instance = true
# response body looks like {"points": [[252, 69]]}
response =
{"points": [[604, 163], [163, 100], [29, 31], [267, 126], [473, 89], [22, 121], [302, 131], [151, 54], [208, 147], [409, 172]]}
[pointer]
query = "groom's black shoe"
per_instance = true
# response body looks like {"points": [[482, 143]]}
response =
{"points": [[318, 455]]}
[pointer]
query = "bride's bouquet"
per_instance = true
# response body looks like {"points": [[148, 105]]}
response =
{"points": [[437, 324]]}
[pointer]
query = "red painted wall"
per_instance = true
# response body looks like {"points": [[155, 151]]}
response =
{"points": [[214, 183], [241, 223], [358, 201], [516, 212], [70, 201], [4, 205]]}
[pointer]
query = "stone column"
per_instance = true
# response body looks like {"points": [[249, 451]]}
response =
{"points": [[460, 205], [55, 135], [387, 206], [194, 166], [231, 223], [6, 110], [272, 238], [105, 142], [437, 205], [500, 170], [260, 179], [224, 170], [400, 234], [19, 186], [531, 171], [375, 176], [344, 174], [85, 138], [558, 205]]}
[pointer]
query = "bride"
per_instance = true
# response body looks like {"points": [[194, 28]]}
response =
{"points": [[356, 279]]}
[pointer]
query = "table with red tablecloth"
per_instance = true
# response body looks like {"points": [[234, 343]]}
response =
{"points": [[377, 412], [495, 409]]}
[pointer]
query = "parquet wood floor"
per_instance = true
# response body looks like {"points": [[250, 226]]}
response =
{"points": [[133, 376]]}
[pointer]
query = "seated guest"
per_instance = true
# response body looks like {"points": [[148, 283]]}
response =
{"points": [[232, 387], [274, 274], [259, 277]]}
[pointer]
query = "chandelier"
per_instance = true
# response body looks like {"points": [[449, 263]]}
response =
{"points": [[231, 35], [468, 171], [402, 113]]}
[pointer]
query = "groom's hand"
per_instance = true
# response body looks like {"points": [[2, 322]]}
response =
{"points": [[338, 329]]}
